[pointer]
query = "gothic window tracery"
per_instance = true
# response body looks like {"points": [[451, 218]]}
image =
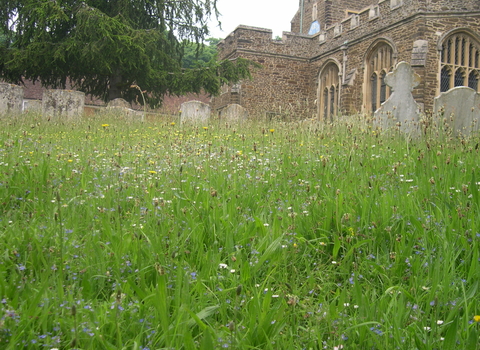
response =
{"points": [[460, 64], [329, 92], [379, 63]]}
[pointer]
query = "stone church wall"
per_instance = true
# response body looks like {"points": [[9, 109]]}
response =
{"points": [[291, 67]]}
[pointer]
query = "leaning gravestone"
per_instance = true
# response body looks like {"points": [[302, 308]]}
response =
{"points": [[63, 103], [400, 110], [11, 99], [462, 104], [195, 111], [234, 113]]}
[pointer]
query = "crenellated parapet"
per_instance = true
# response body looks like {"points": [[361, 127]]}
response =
{"points": [[248, 39]]}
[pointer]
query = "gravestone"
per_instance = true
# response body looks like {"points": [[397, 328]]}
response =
{"points": [[118, 102], [195, 111], [234, 113], [67, 104], [400, 110], [11, 99], [462, 105], [121, 107], [34, 106]]}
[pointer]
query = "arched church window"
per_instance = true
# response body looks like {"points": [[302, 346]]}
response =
{"points": [[329, 87], [460, 54], [379, 62]]}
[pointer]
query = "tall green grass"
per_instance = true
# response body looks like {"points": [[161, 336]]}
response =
{"points": [[118, 234]]}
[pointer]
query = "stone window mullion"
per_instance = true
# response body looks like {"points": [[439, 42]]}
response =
{"points": [[466, 52], [329, 81], [451, 51], [380, 62], [460, 60]]}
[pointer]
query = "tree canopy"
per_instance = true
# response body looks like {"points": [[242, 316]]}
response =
{"points": [[199, 54], [108, 48]]}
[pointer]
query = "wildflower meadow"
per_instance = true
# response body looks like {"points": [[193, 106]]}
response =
{"points": [[121, 234]]}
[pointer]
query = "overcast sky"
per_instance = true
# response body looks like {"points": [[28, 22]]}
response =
{"points": [[271, 14]]}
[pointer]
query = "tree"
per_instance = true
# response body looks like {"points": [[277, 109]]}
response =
{"points": [[199, 54], [108, 48]]}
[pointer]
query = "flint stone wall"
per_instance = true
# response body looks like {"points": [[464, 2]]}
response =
{"points": [[11, 99], [63, 103]]}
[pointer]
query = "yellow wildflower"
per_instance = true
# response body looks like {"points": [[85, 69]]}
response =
{"points": [[476, 318]]}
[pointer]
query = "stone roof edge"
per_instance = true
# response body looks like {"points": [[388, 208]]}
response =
{"points": [[394, 25], [267, 54]]}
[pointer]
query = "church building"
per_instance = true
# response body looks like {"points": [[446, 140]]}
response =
{"points": [[336, 56]]}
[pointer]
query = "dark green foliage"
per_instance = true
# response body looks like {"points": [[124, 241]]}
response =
{"points": [[198, 54], [112, 49]]}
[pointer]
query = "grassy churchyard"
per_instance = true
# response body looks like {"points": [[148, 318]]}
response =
{"points": [[119, 234]]}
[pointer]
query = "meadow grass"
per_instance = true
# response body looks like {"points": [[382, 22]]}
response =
{"points": [[118, 234]]}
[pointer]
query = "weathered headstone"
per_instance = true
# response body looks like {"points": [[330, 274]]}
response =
{"points": [[462, 105], [400, 110], [11, 99], [195, 111], [63, 103], [34, 106], [122, 107], [234, 113], [118, 102]]}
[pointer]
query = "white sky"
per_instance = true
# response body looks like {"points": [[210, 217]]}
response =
{"points": [[271, 14]]}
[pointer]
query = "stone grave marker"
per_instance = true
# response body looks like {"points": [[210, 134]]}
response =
{"points": [[63, 103], [234, 113], [462, 105], [118, 103], [195, 111], [11, 99], [400, 110], [122, 107], [34, 106]]}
